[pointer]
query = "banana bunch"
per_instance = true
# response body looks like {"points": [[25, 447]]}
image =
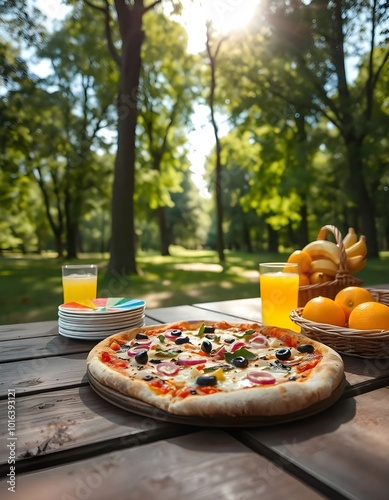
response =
{"points": [[325, 260], [356, 251], [324, 257]]}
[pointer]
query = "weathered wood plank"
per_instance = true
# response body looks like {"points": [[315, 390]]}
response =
{"points": [[65, 419], [359, 370], [186, 313], [42, 374], [248, 309], [28, 330], [346, 447], [204, 465], [40, 347]]}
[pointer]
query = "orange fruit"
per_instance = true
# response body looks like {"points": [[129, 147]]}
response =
{"points": [[324, 310], [319, 277], [304, 279], [369, 316], [303, 259], [350, 297]]}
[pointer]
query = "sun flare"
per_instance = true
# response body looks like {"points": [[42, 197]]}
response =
{"points": [[229, 15], [226, 16]]}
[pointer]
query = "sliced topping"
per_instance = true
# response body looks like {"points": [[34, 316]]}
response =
{"points": [[277, 366], [142, 357], [229, 341], [245, 334], [168, 353], [141, 342], [240, 362], [189, 360], [173, 334], [240, 353], [105, 357], [283, 353], [168, 368], [237, 346], [182, 340], [141, 336], [219, 354], [305, 348], [261, 377], [259, 341], [209, 329], [155, 361], [219, 374], [115, 346], [136, 349], [225, 368], [273, 342], [206, 346], [206, 380]]}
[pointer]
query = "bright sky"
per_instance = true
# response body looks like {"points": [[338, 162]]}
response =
{"points": [[226, 15]]}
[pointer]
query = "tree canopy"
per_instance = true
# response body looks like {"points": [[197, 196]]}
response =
{"points": [[104, 134]]}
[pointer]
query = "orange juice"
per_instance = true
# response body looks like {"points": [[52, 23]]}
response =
{"points": [[79, 282], [279, 294]]}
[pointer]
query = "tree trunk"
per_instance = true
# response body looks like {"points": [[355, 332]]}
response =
{"points": [[359, 195], [218, 166], [247, 236], [123, 247], [353, 141], [272, 240], [163, 231]]}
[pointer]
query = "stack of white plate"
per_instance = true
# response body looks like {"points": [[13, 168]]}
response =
{"points": [[99, 318]]}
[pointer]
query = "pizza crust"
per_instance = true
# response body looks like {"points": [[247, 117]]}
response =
{"points": [[266, 400]]}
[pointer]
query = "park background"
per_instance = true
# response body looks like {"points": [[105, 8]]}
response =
{"points": [[179, 166]]}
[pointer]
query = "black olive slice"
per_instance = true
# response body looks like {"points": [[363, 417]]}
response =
{"points": [[240, 362], [142, 357], [283, 353], [206, 346], [182, 340], [206, 380], [305, 348], [140, 336], [209, 329]]}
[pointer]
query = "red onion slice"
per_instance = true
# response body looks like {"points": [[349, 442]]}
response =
{"points": [[237, 345], [167, 368], [169, 335], [220, 353], [260, 377], [141, 342], [133, 351], [184, 360], [259, 340]]}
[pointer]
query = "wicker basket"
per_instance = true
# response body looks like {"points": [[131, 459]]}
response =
{"points": [[361, 343], [342, 279]]}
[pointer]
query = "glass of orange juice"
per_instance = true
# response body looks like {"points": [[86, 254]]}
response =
{"points": [[79, 282], [279, 287]]}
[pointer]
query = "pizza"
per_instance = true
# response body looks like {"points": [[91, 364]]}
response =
{"points": [[217, 369]]}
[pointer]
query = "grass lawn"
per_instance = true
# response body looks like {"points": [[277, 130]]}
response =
{"points": [[31, 289]]}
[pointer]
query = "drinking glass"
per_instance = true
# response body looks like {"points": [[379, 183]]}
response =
{"points": [[279, 286], [79, 282]]}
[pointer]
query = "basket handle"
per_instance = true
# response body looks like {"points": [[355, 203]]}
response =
{"points": [[339, 241]]}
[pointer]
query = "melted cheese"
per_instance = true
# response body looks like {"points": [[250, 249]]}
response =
{"points": [[233, 378]]}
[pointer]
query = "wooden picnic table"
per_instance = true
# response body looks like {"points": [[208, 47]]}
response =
{"points": [[61, 440]]}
